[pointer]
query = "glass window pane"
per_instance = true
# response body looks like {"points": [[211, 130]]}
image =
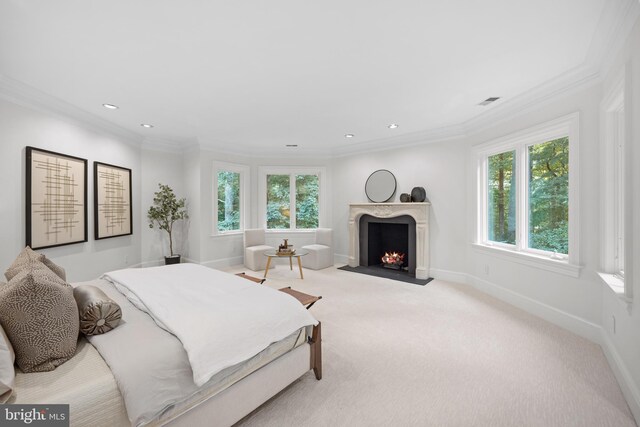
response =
{"points": [[502, 198], [549, 196], [306, 201], [278, 201], [228, 201]]}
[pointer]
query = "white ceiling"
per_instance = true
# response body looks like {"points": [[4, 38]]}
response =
{"points": [[256, 75]]}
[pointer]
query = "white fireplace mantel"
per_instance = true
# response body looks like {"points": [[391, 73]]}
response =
{"points": [[418, 211]]}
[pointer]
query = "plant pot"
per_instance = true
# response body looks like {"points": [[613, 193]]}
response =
{"points": [[168, 260]]}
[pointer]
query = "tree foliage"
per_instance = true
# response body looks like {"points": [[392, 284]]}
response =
{"points": [[549, 196], [165, 211], [502, 197], [548, 175], [279, 201], [307, 201], [228, 201]]}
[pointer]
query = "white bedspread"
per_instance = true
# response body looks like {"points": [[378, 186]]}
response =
{"points": [[221, 319]]}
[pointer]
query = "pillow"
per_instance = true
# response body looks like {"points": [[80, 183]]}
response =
{"points": [[25, 257], [98, 312], [7, 373], [40, 317]]}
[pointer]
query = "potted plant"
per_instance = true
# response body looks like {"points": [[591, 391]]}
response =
{"points": [[166, 210]]}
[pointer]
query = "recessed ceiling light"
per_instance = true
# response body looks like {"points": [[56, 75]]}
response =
{"points": [[145, 125], [110, 106], [489, 101], [392, 126], [349, 135], [291, 145]]}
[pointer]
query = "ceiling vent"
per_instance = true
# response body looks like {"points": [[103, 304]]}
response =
{"points": [[489, 101]]}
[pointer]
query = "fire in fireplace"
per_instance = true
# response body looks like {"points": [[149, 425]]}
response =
{"points": [[393, 260]]}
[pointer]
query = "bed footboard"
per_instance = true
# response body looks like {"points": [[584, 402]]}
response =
{"points": [[316, 350]]}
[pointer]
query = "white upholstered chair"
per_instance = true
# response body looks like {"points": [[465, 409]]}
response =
{"points": [[321, 252], [254, 249]]}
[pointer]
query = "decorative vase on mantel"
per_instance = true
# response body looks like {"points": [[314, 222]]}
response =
{"points": [[418, 194]]}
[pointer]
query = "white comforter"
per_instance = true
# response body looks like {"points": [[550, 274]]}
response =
{"points": [[221, 319]]}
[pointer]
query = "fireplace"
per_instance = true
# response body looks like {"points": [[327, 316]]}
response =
{"points": [[380, 237], [407, 223]]}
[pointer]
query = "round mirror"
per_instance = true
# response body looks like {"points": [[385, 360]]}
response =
{"points": [[380, 186]]}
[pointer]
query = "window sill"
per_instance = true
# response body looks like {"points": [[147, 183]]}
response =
{"points": [[228, 233], [285, 231], [532, 260], [616, 284]]}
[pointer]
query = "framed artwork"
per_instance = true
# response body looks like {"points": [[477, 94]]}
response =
{"points": [[56, 199], [111, 201]]}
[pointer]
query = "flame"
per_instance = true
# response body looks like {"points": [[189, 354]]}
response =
{"points": [[393, 258]]}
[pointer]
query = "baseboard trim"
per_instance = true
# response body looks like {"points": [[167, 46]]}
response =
{"points": [[340, 259], [573, 323], [448, 276], [619, 368], [224, 262], [145, 264]]}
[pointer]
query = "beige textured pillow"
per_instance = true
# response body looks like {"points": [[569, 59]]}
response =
{"points": [[25, 257], [40, 316], [98, 312], [7, 372]]}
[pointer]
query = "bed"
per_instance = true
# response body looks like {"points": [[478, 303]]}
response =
{"points": [[142, 374]]}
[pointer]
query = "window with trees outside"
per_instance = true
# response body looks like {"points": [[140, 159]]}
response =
{"points": [[230, 197], [292, 198], [527, 202]]}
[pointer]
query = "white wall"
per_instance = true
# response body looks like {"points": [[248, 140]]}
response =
{"points": [[20, 127], [625, 340]]}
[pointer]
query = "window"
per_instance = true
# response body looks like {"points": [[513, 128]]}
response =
{"points": [[230, 184], [502, 198], [549, 196], [291, 198], [614, 172], [527, 193]]}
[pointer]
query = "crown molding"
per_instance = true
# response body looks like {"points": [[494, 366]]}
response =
{"points": [[440, 134], [572, 81], [269, 153], [614, 27], [163, 145], [27, 96]]}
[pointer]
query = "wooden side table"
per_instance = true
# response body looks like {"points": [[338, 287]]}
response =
{"points": [[275, 254]]}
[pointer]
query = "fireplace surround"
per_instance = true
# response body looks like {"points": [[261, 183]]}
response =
{"points": [[419, 212]]}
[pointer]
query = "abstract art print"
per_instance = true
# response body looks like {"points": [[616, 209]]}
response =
{"points": [[112, 201], [56, 199]]}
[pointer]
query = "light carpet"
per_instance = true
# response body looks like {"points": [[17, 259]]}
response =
{"points": [[444, 354]]}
